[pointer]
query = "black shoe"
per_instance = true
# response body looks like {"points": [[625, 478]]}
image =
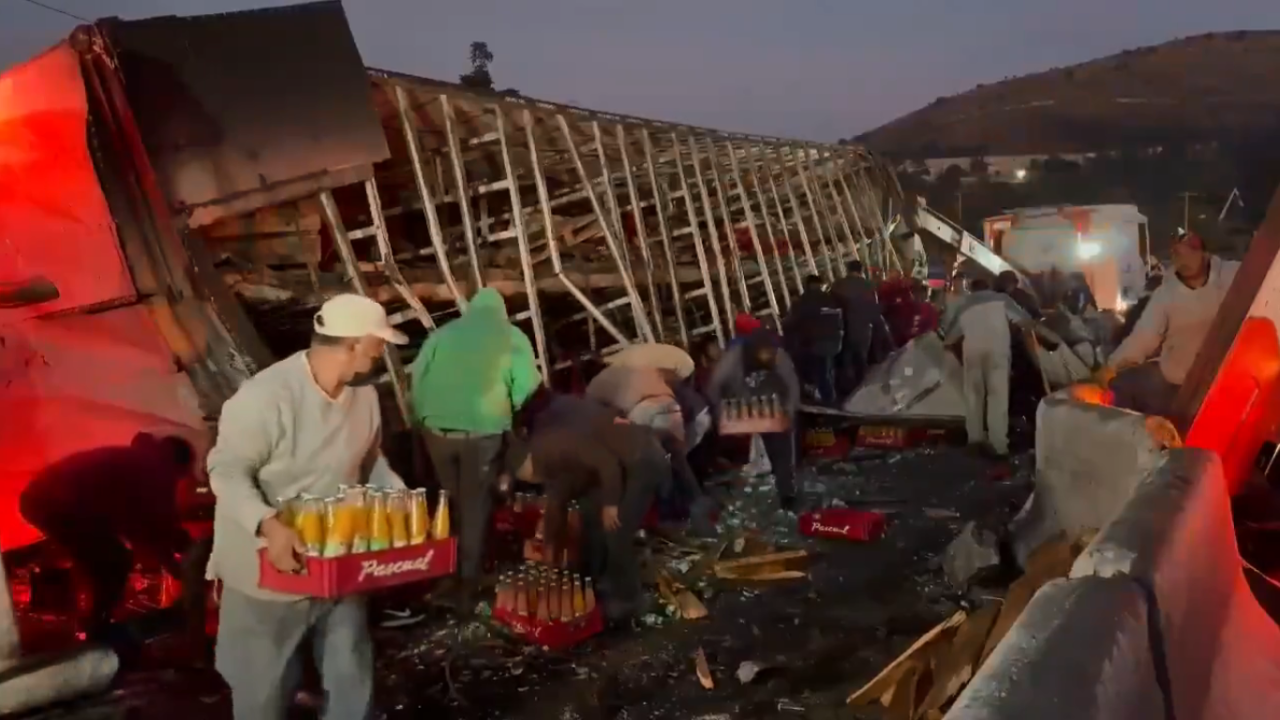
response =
{"points": [[788, 503]]}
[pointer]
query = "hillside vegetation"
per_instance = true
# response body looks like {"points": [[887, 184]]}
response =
{"points": [[1222, 87]]}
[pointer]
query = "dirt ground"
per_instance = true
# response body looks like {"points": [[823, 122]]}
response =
{"points": [[814, 640]]}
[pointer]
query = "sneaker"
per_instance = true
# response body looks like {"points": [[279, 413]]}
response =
{"points": [[399, 617]]}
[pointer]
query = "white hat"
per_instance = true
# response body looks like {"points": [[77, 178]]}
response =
{"points": [[355, 316]]}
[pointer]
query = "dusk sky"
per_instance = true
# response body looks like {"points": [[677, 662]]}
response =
{"points": [[811, 69]]}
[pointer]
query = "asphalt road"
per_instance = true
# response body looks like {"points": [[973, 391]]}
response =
{"points": [[814, 640]]}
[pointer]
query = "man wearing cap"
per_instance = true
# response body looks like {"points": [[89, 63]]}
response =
{"points": [[1147, 369], [307, 424]]}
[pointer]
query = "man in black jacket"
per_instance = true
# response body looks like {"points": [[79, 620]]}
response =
{"points": [[863, 322], [582, 451], [814, 332]]}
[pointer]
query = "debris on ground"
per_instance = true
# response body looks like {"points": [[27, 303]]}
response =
{"points": [[703, 669], [922, 682], [747, 672], [973, 552], [770, 566]]}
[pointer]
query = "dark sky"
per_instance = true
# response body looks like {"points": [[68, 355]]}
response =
{"points": [[812, 69]]}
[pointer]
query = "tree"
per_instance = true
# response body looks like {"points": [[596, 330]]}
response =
{"points": [[479, 77]]}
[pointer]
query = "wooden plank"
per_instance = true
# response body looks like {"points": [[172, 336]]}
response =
{"points": [[888, 677]]}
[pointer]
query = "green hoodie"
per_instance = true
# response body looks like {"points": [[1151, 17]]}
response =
{"points": [[474, 372]]}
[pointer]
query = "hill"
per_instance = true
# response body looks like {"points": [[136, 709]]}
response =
{"points": [[1216, 87]]}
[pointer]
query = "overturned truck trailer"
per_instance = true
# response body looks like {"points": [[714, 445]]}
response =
{"points": [[195, 187]]}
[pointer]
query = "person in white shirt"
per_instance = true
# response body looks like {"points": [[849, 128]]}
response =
{"points": [[980, 322], [1145, 372], [307, 424]]}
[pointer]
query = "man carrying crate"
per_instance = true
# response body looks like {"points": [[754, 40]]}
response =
{"points": [[307, 424]]}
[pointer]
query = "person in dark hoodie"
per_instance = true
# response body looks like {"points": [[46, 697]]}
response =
{"points": [[579, 449], [103, 505], [857, 294], [758, 367], [814, 333], [1007, 282]]}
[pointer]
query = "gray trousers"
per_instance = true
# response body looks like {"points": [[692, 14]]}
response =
{"points": [[258, 654], [1143, 389], [467, 467]]}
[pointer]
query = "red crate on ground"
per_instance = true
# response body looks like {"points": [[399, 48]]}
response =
{"points": [[362, 572], [843, 524], [552, 634]]}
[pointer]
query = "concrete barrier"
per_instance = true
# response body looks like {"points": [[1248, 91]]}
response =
{"points": [[1196, 647], [1079, 650], [1089, 460]]}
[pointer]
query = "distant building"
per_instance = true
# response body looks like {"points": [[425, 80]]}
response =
{"points": [[1017, 168]]}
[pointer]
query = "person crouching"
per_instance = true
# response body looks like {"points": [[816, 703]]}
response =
{"points": [[615, 469]]}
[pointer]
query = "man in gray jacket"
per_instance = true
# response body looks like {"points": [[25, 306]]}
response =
{"points": [[307, 424]]}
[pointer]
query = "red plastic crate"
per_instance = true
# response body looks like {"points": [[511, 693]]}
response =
{"points": [[843, 524], [363, 572], [553, 634]]}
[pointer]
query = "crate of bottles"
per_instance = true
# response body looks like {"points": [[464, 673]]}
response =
{"points": [[753, 415], [363, 539], [547, 606]]}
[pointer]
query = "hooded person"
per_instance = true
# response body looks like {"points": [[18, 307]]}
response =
{"points": [[760, 367], [814, 331], [1007, 283], [857, 293], [306, 425], [467, 382], [981, 324], [1170, 330]]}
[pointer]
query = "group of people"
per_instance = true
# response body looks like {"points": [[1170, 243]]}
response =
{"points": [[837, 332], [312, 422]]}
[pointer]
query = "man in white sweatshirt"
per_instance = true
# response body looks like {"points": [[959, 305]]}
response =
{"points": [[980, 322], [307, 424], [1170, 331]]}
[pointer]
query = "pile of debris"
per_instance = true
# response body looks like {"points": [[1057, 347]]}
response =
{"points": [[923, 681]]}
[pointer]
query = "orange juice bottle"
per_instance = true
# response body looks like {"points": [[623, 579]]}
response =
{"points": [[440, 528], [357, 505], [337, 528], [398, 515], [309, 524], [589, 596], [379, 521], [419, 517], [286, 511]]}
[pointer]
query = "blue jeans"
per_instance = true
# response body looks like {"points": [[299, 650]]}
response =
{"points": [[819, 371]]}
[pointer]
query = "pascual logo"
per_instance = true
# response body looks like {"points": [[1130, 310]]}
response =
{"points": [[819, 527], [373, 568]]}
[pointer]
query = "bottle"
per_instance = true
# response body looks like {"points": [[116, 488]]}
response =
{"points": [[517, 504], [579, 598], [440, 528], [398, 518], [310, 524], [357, 505], [287, 511], [553, 601], [501, 594], [533, 590], [589, 597], [566, 600], [775, 405], [522, 597], [544, 610], [337, 528], [419, 517], [379, 521]]}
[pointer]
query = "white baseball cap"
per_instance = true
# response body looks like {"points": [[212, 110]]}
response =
{"points": [[354, 316]]}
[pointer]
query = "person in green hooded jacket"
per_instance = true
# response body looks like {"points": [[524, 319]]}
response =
{"points": [[469, 379]]}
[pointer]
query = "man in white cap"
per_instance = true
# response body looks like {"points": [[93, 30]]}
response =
{"points": [[307, 424]]}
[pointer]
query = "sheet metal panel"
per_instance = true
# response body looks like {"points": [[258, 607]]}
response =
{"points": [[243, 104], [54, 219]]}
